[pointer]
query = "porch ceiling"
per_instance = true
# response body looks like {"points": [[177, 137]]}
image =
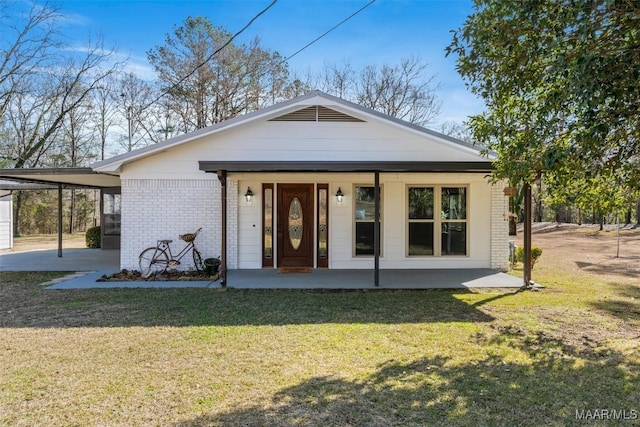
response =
{"points": [[337, 166], [51, 177]]}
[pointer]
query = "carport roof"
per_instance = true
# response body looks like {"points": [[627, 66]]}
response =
{"points": [[48, 177]]}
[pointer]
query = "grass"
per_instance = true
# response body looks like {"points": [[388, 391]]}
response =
{"points": [[187, 357], [48, 241]]}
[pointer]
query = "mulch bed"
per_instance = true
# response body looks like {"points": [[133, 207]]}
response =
{"points": [[175, 275]]}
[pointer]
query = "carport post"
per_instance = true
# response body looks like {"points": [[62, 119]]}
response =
{"points": [[59, 220]]}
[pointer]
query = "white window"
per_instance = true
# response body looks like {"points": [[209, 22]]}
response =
{"points": [[421, 221], [437, 221]]}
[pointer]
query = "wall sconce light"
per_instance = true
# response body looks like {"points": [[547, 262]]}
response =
{"points": [[339, 195], [248, 195]]}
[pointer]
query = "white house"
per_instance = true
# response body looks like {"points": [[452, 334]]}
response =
{"points": [[313, 165]]}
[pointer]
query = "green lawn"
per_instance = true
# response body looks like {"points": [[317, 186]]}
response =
{"points": [[308, 358]]}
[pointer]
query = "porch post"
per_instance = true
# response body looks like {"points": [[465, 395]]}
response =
{"points": [[222, 177], [376, 228], [527, 236], [59, 220]]}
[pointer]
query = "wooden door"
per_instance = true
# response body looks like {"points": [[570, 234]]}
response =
{"points": [[295, 225]]}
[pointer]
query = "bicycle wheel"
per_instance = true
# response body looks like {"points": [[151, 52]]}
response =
{"points": [[152, 261], [197, 260]]}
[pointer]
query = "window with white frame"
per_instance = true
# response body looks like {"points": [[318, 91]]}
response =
{"points": [[364, 219], [421, 221], [437, 221]]}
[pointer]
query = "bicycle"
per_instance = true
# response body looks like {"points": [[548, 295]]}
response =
{"points": [[158, 259]]}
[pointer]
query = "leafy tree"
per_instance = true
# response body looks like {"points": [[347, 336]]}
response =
{"points": [[560, 79], [603, 194], [208, 83]]}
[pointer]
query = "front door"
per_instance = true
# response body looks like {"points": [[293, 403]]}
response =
{"points": [[295, 225]]}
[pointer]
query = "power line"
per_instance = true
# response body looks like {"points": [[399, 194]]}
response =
{"points": [[284, 60], [330, 30], [182, 79], [226, 44], [197, 67]]}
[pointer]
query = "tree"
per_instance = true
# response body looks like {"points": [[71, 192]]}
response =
{"points": [[40, 88], [163, 121], [338, 80], [104, 101], [134, 105], [602, 194], [404, 90], [208, 83], [27, 44], [560, 83], [456, 130]]}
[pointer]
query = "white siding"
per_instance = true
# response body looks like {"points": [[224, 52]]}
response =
{"points": [[485, 229], [299, 141]]}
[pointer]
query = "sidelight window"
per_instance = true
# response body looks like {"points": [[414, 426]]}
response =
{"points": [[364, 217]]}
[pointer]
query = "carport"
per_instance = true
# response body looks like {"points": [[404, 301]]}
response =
{"points": [[59, 178]]}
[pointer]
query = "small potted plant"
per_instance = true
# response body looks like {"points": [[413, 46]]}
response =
{"points": [[211, 266]]}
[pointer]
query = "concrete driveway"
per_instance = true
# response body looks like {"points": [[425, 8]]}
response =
{"points": [[92, 263], [71, 260]]}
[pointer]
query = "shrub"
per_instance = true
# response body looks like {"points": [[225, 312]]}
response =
{"points": [[536, 251], [93, 237]]}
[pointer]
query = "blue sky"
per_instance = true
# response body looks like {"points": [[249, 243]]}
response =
{"points": [[384, 32]]}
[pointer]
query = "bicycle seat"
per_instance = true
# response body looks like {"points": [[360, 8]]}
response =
{"points": [[166, 242]]}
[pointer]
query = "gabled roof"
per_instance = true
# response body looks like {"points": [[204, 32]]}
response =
{"points": [[114, 164]]}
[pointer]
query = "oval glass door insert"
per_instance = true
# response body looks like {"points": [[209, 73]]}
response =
{"points": [[295, 223]]}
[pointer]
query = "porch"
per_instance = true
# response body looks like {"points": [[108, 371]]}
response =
{"points": [[364, 279], [98, 262]]}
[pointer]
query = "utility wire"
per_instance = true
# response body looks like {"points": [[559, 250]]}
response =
{"points": [[330, 30], [165, 91], [197, 67]]}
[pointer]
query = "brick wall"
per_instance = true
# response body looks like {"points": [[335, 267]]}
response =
{"points": [[499, 228], [154, 209]]}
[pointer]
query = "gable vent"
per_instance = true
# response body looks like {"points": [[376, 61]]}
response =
{"points": [[316, 113]]}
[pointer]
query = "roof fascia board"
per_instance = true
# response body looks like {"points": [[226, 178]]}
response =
{"points": [[346, 167], [34, 175], [45, 171], [13, 185]]}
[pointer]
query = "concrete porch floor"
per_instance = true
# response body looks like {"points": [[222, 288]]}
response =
{"points": [[319, 279], [364, 279], [96, 262]]}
